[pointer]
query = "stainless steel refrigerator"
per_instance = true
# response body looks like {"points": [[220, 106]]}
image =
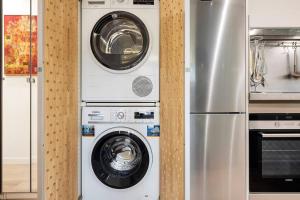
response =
{"points": [[218, 100]]}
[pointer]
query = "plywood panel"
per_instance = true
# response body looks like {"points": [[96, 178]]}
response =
{"points": [[60, 98], [172, 99]]}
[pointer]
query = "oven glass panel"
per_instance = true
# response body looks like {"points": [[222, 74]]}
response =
{"points": [[281, 158]]}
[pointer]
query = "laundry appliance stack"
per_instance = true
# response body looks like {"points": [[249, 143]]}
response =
{"points": [[120, 99]]}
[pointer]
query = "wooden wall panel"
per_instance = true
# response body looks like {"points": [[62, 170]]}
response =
{"points": [[61, 98], [172, 99]]}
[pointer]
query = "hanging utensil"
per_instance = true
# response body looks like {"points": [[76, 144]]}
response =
{"points": [[258, 67], [294, 72]]}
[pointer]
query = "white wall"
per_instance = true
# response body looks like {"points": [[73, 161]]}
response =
{"points": [[16, 102], [19, 7], [274, 13]]}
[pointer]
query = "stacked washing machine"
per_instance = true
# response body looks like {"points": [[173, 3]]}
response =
{"points": [[120, 99]]}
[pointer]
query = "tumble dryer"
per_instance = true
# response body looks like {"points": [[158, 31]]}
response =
{"points": [[120, 153], [120, 50]]}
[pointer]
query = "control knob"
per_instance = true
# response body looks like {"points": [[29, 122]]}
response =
{"points": [[120, 115]]}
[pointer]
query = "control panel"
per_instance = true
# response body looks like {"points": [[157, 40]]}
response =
{"points": [[274, 121], [257, 125], [119, 3], [121, 115]]}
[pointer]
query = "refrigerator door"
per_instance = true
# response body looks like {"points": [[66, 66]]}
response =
{"points": [[218, 56], [218, 157]]}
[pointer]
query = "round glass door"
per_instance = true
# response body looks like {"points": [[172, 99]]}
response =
{"points": [[119, 40], [120, 159]]}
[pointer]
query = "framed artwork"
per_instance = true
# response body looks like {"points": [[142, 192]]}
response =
{"points": [[17, 45]]}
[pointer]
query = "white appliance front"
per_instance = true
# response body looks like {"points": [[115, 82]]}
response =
{"points": [[120, 153], [120, 51]]}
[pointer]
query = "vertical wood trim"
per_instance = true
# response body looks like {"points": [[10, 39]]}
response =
{"points": [[41, 101], [172, 99], [61, 98]]}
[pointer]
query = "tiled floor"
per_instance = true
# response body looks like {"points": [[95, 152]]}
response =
{"points": [[16, 178]]}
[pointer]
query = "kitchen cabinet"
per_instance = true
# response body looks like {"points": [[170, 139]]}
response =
{"points": [[272, 14]]}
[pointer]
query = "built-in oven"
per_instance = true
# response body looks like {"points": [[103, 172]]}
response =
{"points": [[274, 153]]}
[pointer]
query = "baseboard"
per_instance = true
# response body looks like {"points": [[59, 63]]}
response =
{"points": [[19, 196]]}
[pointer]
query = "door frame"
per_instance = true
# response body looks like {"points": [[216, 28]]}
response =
{"points": [[1, 66], [40, 101]]}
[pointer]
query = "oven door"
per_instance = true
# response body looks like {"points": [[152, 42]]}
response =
{"points": [[275, 161]]}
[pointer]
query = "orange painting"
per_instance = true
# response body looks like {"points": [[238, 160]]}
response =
{"points": [[17, 45]]}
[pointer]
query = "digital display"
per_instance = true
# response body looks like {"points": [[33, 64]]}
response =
{"points": [[144, 115], [144, 2]]}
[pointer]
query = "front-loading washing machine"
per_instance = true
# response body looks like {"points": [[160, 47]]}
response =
{"points": [[120, 153], [120, 51]]}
